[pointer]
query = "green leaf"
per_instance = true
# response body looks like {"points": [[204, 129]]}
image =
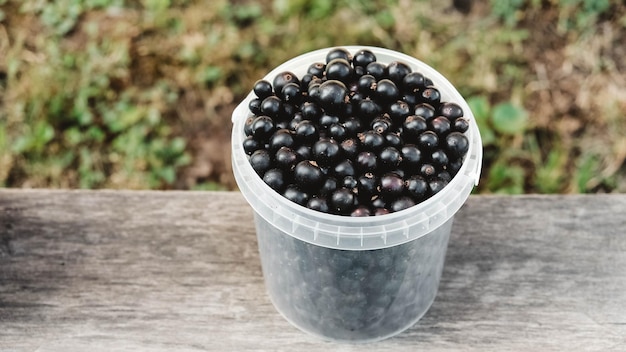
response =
{"points": [[480, 107], [509, 119]]}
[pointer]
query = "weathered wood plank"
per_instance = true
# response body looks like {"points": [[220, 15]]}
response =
{"points": [[179, 271]]}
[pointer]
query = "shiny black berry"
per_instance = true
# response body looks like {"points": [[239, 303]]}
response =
{"points": [[456, 145], [342, 201], [319, 204], [262, 128], [363, 57], [281, 138], [397, 70], [367, 186], [411, 157], [366, 162], [283, 79], [296, 195], [428, 140], [460, 125], [338, 53], [311, 111], [261, 161], [451, 110], [344, 168], [417, 187], [330, 185], [286, 158], [255, 106], [272, 106], [337, 132], [332, 96], [439, 158], [326, 151], [376, 69], [368, 109], [308, 176], [274, 178], [340, 70], [250, 145], [367, 84], [390, 158], [424, 110], [391, 186], [413, 126], [440, 125], [291, 93], [399, 111], [387, 91], [436, 185], [402, 203], [306, 132], [360, 211], [412, 82], [353, 126], [317, 69], [431, 95], [372, 140], [262, 89]]}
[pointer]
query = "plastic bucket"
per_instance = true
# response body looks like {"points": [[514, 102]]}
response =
{"points": [[354, 279]]}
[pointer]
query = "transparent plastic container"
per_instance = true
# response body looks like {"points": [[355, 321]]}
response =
{"points": [[354, 279]]}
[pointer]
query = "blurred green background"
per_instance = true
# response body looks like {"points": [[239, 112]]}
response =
{"points": [[138, 94]]}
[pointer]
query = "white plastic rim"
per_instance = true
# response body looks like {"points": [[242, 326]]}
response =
{"points": [[357, 233]]}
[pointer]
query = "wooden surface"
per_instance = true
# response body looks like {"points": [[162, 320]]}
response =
{"points": [[179, 271]]}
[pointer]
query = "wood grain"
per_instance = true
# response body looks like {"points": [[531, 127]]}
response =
{"points": [[179, 271]]}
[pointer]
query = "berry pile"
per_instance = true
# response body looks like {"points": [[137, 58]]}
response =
{"points": [[352, 295], [354, 136]]}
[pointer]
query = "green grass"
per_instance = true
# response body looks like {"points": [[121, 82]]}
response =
{"points": [[138, 94]]}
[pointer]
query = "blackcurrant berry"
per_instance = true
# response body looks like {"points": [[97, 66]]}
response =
{"points": [[368, 109], [367, 85], [319, 204], [250, 145], [402, 203], [291, 93], [397, 70], [317, 69], [363, 57], [261, 161], [387, 91], [255, 106], [262, 128], [417, 187], [311, 111], [272, 106], [340, 70], [274, 178], [344, 168], [439, 158], [352, 126], [411, 157], [349, 182], [428, 140], [367, 186], [284, 78], [372, 140], [381, 124], [308, 176], [460, 125], [333, 94], [281, 138], [366, 162], [342, 201], [413, 82], [360, 211], [262, 89], [393, 140], [440, 125], [286, 158], [431, 95], [451, 110], [338, 53], [329, 186], [306, 131], [399, 111], [304, 151], [337, 132], [391, 186], [296, 195], [326, 151], [413, 126], [456, 145], [376, 69], [428, 171], [390, 158], [436, 185], [424, 110]]}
